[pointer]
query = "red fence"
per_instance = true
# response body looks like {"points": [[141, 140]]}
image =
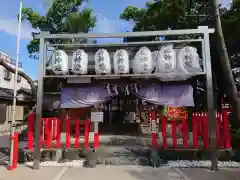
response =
{"points": [[200, 131], [51, 132]]}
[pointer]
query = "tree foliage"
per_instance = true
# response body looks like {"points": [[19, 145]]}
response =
{"points": [[161, 15], [63, 16], [231, 28]]}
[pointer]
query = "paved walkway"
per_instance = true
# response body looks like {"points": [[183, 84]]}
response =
{"points": [[101, 173], [117, 173], [205, 174], [24, 173]]}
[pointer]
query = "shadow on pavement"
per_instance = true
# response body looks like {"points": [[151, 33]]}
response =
{"points": [[149, 173]]}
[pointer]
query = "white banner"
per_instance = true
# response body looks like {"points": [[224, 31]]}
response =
{"points": [[97, 116]]}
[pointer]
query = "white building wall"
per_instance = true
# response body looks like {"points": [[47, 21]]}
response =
{"points": [[10, 83]]}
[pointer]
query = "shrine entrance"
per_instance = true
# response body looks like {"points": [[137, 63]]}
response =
{"points": [[121, 115], [146, 69]]}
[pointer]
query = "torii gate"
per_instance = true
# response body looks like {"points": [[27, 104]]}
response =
{"points": [[203, 33]]}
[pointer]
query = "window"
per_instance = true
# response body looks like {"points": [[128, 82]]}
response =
{"points": [[7, 75], [19, 79]]}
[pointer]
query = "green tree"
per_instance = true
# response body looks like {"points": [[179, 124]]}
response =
{"points": [[166, 14], [63, 16], [224, 57]]}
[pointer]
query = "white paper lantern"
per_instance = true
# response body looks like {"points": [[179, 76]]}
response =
{"points": [[121, 62], [166, 59], [80, 62], [60, 62], [102, 62], [189, 59], [142, 62]]}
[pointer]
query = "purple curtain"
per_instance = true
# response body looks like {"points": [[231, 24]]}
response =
{"points": [[83, 97], [171, 95]]}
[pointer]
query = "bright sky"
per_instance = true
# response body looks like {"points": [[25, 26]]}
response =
{"points": [[107, 12]]}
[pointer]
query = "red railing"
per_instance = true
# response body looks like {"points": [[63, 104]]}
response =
{"points": [[51, 133], [200, 131]]}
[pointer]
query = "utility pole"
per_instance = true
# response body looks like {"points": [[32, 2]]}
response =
{"points": [[12, 130]]}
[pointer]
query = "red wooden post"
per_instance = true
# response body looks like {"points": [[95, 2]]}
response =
{"points": [[226, 130], [30, 118], [221, 131], [217, 122], [86, 133], [77, 134], [96, 135], [49, 132], [58, 138], [12, 164], [199, 125], [68, 140], [195, 130], [45, 120], [184, 133], [15, 151], [153, 127], [54, 129], [204, 120], [41, 132], [174, 134], [164, 132]]}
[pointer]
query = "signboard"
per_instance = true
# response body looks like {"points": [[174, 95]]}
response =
{"points": [[175, 112], [97, 116], [154, 126]]}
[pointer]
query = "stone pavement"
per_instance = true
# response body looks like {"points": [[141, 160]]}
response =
{"points": [[117, 173], [25, 173], [98, 173], [206, 174]]}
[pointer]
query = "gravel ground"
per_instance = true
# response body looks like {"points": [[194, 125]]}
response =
{"points": [[117, 150], [133, 150], [124, 150]]}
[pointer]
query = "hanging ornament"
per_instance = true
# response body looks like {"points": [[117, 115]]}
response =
{"points": [[102, 62], [166, 59], [189, 59], [136, 88], [116, 89], [121, 62], [127, 90], [60, 62], [80, 62], [142, 62], [108, 89]]}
